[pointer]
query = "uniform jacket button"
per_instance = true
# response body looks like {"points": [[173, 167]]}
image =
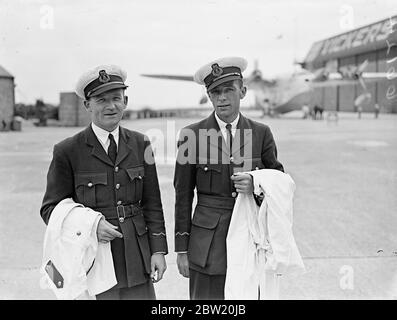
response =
{"points": [[118, 186], [205, 168], [256, 168], [119, 202], [89, 184], [116, 169], [234, 194]]}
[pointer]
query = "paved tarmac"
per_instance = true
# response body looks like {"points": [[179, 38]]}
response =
{"points": [[345, 205]]}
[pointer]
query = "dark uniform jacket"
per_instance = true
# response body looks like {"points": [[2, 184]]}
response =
{"points": [[127, 193], [198, 166]]}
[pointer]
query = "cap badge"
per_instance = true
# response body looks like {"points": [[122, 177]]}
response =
{"points": [[216, 70], [103, 76]]}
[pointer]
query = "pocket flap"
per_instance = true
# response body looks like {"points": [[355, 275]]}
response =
{"points": [[140, 224], [257, 164], [204, 217], [254, 163], [91, 179], [210, 167], [136, 172]]}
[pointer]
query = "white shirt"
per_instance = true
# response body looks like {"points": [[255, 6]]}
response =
{"points": [[103, 136], [222, 125]]}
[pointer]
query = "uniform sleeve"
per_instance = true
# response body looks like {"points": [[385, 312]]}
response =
{"points": [[152, 206], [60, 183], [184, 184], [269, 152]]}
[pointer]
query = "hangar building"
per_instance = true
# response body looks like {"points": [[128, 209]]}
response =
{"points": [[377, 43], [72, 111], [7, 99]]}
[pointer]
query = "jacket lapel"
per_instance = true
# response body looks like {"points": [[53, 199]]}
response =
{"points": [[214, 143], [123, 149], [244, 133], [97, 149]]}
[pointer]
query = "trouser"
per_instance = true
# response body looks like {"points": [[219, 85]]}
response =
{"points": [[140, 292], [206, 287]]}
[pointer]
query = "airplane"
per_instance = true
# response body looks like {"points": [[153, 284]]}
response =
{"points": [[288, 93]]}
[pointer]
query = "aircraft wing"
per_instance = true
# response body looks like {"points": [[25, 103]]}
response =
{"points": [[247, 81], [203, 99], [169, 77], [253, 83], [374, 75]]}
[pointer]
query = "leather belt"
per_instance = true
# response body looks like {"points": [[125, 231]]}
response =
{"points": [[121, 212], [215, 201]]}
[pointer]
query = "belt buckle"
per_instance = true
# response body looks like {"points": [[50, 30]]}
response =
{"points": [[121, 219]]}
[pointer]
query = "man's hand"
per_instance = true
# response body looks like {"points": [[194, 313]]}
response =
{"points": [[158, 266], [243, 183], [106, 231], [183, 264]]}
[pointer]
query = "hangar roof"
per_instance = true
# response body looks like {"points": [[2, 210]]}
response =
{"points": [[375, 36], [4, 73]]}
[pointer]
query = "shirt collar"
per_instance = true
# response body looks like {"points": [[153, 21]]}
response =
{"points": [[222, 124], [103, 135]]}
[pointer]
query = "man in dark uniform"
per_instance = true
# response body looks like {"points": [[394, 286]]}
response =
{"points": [[111, 170], [210, 153]]}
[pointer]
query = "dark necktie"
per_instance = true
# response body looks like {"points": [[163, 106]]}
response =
{"points": [[229, 140], [112, 151]]}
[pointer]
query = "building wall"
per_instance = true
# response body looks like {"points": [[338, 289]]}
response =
{"points": [[347, 93], [387, 89], [371, 87], [6, 100], [83, 116], [72, 111], [317, 97], [330, 98]]}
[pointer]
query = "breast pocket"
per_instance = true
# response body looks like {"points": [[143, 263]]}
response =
{"points": [[87, 187], [253, 164], [207, 177], [135, 183]]}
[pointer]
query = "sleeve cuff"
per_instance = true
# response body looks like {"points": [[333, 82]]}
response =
{"points": [[159, 245], [181, 244]]}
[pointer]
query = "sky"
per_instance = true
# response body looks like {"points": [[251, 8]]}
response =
{"points": [[47, 45]]}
